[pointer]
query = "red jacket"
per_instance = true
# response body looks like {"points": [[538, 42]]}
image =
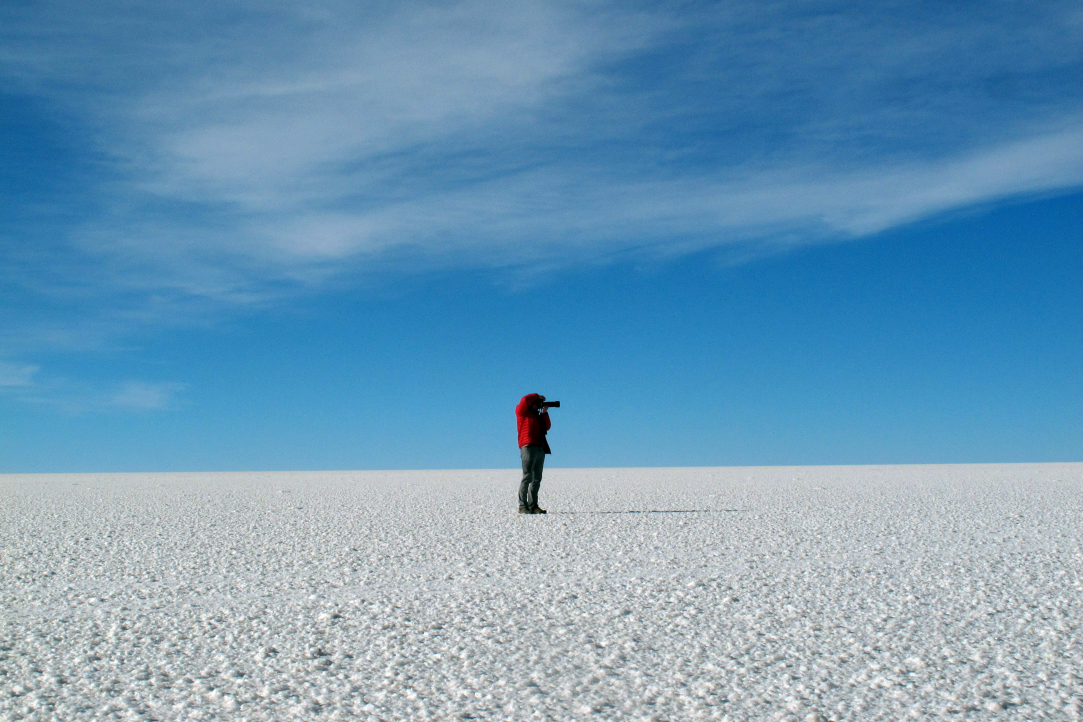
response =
{"points": [[532, 424]]}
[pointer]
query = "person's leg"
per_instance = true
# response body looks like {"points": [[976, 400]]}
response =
{"points": [[533, 460], [536, 477], [528, 473]]}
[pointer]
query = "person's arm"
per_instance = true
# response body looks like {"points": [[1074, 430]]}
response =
{"points": [[545, 417]]}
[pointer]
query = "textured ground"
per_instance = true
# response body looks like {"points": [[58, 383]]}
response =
{"points": [[848, 593]]}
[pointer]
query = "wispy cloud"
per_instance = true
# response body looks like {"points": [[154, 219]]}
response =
{"points": [[16, 375], [251, 150], [26, 383], [143, 396]]}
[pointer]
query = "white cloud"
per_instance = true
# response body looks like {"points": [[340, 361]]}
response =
{"points": [[77, 397], [144, 396], [16, 375], [26, 383], [256, 150]]}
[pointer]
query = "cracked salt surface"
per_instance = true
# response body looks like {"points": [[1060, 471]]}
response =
{"points": [[817, 593]]}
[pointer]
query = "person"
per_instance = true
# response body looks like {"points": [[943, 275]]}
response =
{"points": [[533, 421]]}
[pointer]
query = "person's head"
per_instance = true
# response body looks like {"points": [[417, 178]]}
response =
{"points": [[537, 403]]}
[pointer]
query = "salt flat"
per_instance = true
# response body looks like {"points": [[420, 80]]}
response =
{"points": [[848, 593]]}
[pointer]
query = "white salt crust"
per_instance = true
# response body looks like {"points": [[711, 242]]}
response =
{"points": [[812, 593]]}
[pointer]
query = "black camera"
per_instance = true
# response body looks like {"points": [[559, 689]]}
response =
{"points": [[550, 404]]}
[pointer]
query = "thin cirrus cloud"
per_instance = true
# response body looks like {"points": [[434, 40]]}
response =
{"points": [[143, 396], [16, 375], [25, 383], [246, 148]]}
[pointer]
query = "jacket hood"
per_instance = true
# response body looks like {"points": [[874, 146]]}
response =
{"points": [[530, 398]]}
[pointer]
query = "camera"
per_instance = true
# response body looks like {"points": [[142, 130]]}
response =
{"points": [[550, 404]]}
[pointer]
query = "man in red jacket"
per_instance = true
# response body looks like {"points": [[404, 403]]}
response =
{"points": [[533, 419]]}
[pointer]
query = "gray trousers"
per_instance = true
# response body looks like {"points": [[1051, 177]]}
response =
{"points": [[533, 461]]}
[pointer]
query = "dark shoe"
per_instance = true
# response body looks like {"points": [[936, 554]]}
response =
{"points": [[525, 510], [538, 510]]}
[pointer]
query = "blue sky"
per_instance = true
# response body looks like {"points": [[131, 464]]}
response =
{"points": [[339, 235]]}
